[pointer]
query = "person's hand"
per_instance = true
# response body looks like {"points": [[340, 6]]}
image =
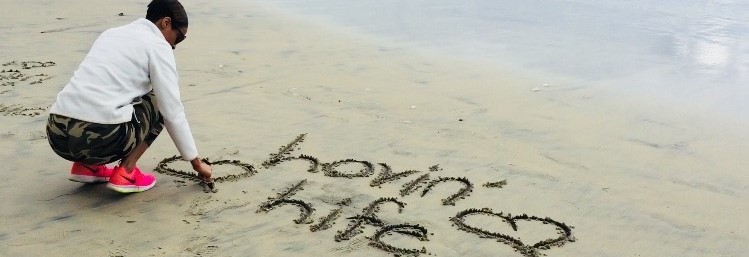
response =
{"points": [[203, 169]]}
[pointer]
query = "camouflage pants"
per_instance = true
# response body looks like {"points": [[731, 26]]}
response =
{"points": [[95, 144]]}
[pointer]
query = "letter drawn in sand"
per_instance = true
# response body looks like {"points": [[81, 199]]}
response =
{"points": [[329, 169], [413, 185], [283, 198], [413, 230], [387, 175], [450, 200], [367, 217], [283, 152], [327, 221]]}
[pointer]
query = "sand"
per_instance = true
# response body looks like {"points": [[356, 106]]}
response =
{"points": [[599, 172]]}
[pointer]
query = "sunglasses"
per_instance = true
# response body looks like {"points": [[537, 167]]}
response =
{"points": [[181, 36]]}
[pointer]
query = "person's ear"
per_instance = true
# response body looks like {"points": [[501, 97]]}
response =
{"points": [[165, 22]]}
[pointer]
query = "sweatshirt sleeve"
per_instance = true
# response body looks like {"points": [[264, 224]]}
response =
{"points": [[164, 79]]}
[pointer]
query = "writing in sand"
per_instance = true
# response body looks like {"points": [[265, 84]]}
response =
{"points": [[368, 216]]}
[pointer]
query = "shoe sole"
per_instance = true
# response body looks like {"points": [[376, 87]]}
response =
{"points": [[88, 179], [130, 188]]}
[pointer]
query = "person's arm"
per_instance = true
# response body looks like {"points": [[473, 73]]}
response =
{"points": [[164, 78]]}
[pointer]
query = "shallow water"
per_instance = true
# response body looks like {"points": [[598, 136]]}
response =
{"points": [[684, 52]]}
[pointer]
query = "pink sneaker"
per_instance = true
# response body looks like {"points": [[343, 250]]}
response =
{"points": [[90, 173], [130, 183]]}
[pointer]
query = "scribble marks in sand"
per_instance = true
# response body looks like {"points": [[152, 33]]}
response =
{"points": [[201, 247], [498, 184], [20, 110], [17, 73]]}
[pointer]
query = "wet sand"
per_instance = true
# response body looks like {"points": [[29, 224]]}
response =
{"points": [[598, 173]]}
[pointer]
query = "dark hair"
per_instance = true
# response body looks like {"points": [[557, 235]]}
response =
{"points": [[158, 9]]}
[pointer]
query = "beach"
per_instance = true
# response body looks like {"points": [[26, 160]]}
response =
{"points": [[330, 143]]}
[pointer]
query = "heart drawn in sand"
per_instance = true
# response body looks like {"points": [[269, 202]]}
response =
{"points": [[247, 170], [564, 231]]}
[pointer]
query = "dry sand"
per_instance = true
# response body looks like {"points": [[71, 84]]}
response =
{"points": [[631, 176]]}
